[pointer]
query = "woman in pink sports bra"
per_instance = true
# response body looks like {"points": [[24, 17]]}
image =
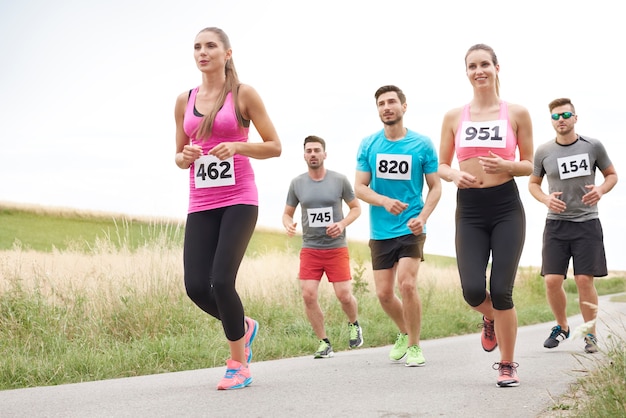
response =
{"points": [[212, 123], [486, 135]]}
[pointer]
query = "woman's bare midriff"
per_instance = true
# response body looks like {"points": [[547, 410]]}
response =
{"points": [[483, 180]]}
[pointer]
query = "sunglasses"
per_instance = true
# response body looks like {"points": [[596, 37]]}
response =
{"points": [[566, 115]]}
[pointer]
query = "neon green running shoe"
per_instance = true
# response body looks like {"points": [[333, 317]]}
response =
{"points": [[414, 357], [325, 350], [399, 349]]}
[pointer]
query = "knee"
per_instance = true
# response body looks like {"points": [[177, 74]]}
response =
{"points": [[197, 291], [309, 298], [474, 296], [502, 300], [584, 282], [345, 298], [385, 296], [554, 283]]}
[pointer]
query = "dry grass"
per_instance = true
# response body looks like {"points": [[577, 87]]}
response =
{"points": [[105, 274]]}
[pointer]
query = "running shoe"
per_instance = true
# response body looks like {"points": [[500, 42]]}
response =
{"points": [[356, 335], [556, 336], [591, 344], [325, 350], [488, 336], [414, 357], [237, 376], [399, 349], [249, 336], [507, 374]]}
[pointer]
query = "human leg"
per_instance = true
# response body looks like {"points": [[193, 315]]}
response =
{"points": [[557, 299], [407, 271], [236, 229], [588, 299], [309, 289]]}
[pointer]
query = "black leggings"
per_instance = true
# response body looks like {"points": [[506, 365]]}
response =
{"points": [[489, 221], [215, 243]]}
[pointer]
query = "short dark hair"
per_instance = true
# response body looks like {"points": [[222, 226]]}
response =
{"points": [[313, 138], [561, 102], [387, 89]]}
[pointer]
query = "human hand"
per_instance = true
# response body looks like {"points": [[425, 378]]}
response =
{"points": [[494, 164], [593, 196], [416, 225], [394, 206], [191, 153], [291, 229], [555, 204], [224, 150], [334, 230], [463, 180]]}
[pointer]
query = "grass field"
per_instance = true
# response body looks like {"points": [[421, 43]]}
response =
{"points": [[87, 296]]}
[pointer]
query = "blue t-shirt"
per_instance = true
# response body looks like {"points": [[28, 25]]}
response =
{"points": [[397, 171]]}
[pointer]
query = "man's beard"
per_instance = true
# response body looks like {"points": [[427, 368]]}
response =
{"points": [[392, 121]]}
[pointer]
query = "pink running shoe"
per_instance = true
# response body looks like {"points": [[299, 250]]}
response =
{"points": [[488, 336], [249, 336], [507, 374], [237, 376]]}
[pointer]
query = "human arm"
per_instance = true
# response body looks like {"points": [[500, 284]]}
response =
{"points": [[365, 193], [595, 193], [494, 164], [461, 179], [186, 154], [288, 222], [252, 108], [335, 229], [416, 225], [552, 200]]}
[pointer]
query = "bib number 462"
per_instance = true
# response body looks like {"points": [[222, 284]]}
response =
{"points": [[210, 171]]}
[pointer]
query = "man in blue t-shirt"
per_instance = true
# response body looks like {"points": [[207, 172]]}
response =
{"points": [[321, 194], [392, 165]]}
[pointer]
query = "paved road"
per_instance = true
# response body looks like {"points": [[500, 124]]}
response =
{"points": [[457, 381]]}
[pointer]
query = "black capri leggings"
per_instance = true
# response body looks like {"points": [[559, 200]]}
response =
{"points": [[215, 243], [489, 221]]}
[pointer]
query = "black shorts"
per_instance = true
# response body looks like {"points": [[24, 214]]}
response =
{"points": [[583, 242], [386, 252]]}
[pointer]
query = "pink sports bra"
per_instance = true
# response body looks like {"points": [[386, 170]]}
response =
{"points": [[476, 139]]}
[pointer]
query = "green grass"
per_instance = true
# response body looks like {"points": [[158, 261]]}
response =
{"points": [[50, 335]]}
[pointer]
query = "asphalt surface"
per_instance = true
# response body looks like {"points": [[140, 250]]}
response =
{"points": [[457, 381]]}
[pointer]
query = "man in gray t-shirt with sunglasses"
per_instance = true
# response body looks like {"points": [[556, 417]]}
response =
{"points": [[321, 194], [572, 230]]}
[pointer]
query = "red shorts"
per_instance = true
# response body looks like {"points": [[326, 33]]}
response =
{"points": [[335, 262]]}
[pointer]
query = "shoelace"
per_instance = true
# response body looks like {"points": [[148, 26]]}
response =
{"points": [[506, 369], [489, 329], [230, 373], [354, 332]]}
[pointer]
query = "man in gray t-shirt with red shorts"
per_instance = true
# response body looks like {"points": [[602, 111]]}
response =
{"points": [[573, 230], [321, 194]]}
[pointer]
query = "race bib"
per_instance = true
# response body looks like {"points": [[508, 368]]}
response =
{"points": [[320, 217], [393, 166], [487, 134], [573, 166], [210, 171]]}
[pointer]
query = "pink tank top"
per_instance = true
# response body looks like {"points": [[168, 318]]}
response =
{"points": [[476, 139], [214, 183]]}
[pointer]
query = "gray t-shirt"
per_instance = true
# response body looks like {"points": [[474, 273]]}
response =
{"points": [[569, 168], [321, 204]]}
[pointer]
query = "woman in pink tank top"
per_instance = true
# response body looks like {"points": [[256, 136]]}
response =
{"points": [[486, 136], [212, 122]]}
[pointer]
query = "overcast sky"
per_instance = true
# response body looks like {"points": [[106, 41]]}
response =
{"points": [[87, 91]]}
